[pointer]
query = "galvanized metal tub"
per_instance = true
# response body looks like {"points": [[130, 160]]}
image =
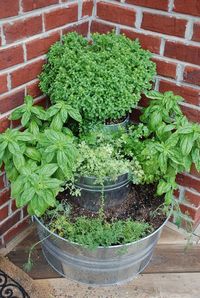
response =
{"points": [[115, 127], [103, 266], [114, 193]]}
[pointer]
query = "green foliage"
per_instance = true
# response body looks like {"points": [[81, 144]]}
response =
{"points": [[36, 187], [39, 160], [104, 160], [61, 112], [58, 147], [94, 232], [102, 79], [167, 145], [30, 115]]}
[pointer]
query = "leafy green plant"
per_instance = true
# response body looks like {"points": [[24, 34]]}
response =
{"points": [[61, 112], [94, 232], [31, 116], [40, 159], [102, 79], [103, 161], [166, 144]]}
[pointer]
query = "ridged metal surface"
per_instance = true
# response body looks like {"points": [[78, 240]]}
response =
{"points": [[103, 266], [114, 193]]}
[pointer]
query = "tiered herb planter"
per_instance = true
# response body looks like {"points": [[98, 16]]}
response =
{"points": [[102, 266], [114, 193], [89, 83]]}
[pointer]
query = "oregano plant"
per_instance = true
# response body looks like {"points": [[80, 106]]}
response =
{"points": [[103, 79]]}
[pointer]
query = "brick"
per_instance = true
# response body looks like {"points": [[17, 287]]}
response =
{"points": [[194, 172], [100, 27], [157, 4], [176, 193], [116, 14], [192, 75], [29, 5], [11, 221], [22, 28], [191, 113], [4, 124], [80, 28], [11, 56], [193, 212], [11, 101], [26, 73], [13, 206], [87, 8], [16, 230], [144, 101], [190, 95], [15, 123], [135, 115], [196, 32], [193, 198], [148, 42], [3, 213], [183, 52], [8, 8], [163, 24], [61, 17], [3, 83], [165, 68], [191, 7], [188, 181], [40, 46], [4, 196], [2, 186], [33, 89], [42, 102], [187, 224], [25, 211]]}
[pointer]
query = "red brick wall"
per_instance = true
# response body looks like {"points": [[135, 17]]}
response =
{"points": [[27, 29], [170, 29]]}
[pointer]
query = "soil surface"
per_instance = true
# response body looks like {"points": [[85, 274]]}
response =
{"points": [[116, 121], [139, 206]]}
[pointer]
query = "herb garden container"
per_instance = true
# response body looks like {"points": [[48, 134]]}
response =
{"points": [[101, 266], [113, 193], [114, 127]]}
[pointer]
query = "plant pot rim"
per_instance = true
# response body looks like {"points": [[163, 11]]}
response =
{"points": [[106, 177], [34, 217], [120, 123]]}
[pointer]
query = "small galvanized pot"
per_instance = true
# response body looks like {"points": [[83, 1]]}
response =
{"points": [[113, 193], [102, 266], [115, 127]]}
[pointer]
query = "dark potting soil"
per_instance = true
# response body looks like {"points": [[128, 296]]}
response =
{"points": [[139, 206], [115, 121]]}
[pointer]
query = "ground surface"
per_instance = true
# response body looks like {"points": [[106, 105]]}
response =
{"points": [[174, 272]]}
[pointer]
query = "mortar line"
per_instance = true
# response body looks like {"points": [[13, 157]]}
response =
{"points": [[152, 33], [153, 10]]}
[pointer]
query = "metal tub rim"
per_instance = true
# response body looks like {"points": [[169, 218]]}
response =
{"points": [[102, 247], [126, 177], [116, 125], [82, 181]]}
